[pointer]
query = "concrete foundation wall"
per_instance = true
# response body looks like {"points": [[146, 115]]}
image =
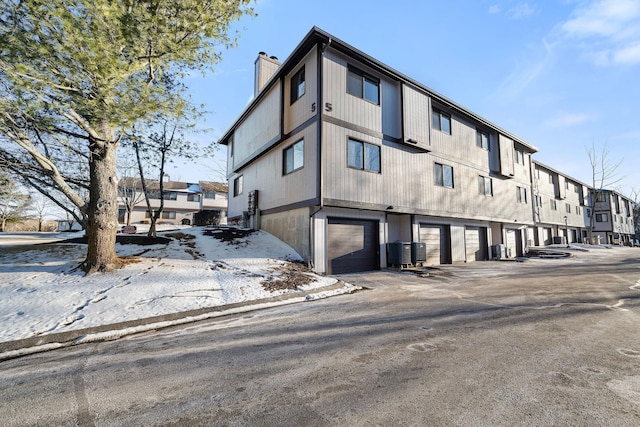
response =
{"points": [[292, 227]]}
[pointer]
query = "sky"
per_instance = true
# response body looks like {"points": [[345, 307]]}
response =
{"points": [[562, 75]]}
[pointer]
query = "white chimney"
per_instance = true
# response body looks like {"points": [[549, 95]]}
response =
{"points": [[266, 67]]}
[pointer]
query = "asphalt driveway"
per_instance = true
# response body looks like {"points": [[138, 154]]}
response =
{"points": [[542, 342]]}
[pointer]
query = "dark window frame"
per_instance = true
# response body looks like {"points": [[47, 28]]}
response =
{"points": [[480, 142], [193, 197], [436, 120], [238, 186], [483, 183], [285, 158], [297, 82], [439, 175], [364, 159], [521, 193], [353, 75]]}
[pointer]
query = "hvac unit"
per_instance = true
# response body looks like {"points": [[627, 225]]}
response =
{"points": [[399, 253], [418, 253], [559, 240], [498, 251]]}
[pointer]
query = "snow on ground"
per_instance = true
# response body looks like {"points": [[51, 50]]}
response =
{"points": [[42, 292]]}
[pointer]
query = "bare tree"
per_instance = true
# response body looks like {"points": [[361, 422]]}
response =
{"points": [[129, 188], [40, 207], [604, 175], [14, 203]]}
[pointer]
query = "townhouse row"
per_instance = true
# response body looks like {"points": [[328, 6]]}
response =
{"points": [[183, 202], [342, 157]]}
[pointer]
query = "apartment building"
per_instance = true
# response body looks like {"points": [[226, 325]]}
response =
{"points": [[183, 201], [560, 207], [613, 217], [339, 155]]}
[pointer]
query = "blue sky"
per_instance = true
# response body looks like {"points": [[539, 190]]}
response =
{"points": [[562, 75]]}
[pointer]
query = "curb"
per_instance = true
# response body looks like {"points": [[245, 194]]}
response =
{"points": [[113, 331]]}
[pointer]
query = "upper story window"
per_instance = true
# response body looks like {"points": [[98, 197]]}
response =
{"points": [[522, 195], [520, 157], [443, 175], [441, 121], [363, 156], [297, 85], [485, 185], [554, 205], [538, 201], [293, 157], [601, 197], [363, 85], [238, 185], [482, 140], [567, 207], [209, 194], [230, 145], [550, 179], [577, 209], [193, 197], [602, 217], [575, 188]]}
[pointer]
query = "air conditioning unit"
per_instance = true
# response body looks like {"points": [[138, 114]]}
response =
{"points": [[559, 240], [418, 253], [498, 251], [399, 253]]}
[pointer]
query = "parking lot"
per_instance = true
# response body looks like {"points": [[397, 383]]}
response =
{"points": [[541, 342]]}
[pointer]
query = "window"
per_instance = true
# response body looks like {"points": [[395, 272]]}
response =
{"points": [[363, 156], [297, 85], [578, 210], [538, 201], [602, 217], [485, 185], [550, 179], [230, 145], [441, 121], [601, 197], [482, 140], [209, 194], [193, 197], [522, 195], [444, 175], [362, 85], [168, 214], [554, 205], [567, 207], [520, 157], [575, 188], [293, 157], [566, 184], [237, 186]]}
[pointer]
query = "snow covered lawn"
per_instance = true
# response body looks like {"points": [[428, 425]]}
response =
{"points": [[41, 292]]}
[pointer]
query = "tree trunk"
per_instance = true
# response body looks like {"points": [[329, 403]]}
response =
{"points": [[102, 215], [3, 224]]}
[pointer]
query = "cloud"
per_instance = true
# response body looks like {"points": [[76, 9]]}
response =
{"points": [[494, 9], [519, 11], [608, 31], [563, 120]]}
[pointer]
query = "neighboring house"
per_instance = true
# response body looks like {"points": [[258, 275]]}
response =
{"points": [[339, 155], [182, 200], [613, 219], [560, 207]]}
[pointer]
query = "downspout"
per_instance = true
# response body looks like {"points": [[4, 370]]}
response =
{"points": [[319, 151]]}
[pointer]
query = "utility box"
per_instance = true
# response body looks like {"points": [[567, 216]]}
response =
{"points": [[418, 253], [498, 252], [399, 253], [559, 240]]}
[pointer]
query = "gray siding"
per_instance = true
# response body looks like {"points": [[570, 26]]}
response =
{"points": [[417, 110], [302, 110]]}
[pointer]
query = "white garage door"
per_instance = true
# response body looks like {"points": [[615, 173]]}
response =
{"points": [[431, 236], [511, 244], [472, 244]]}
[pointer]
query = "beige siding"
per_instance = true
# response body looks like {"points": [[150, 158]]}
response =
{"points": [[300, 111], [259, 128], [506, 155], [417, 110], [274, 188], [356, 111]]}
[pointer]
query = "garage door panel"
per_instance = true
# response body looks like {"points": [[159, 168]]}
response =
{"points": [[472, 244], [352, 245], [431, 236]]}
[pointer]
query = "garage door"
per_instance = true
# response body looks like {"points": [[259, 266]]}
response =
{"points": [[431, 235], [472, 244], [511, 244], [352, 245]]}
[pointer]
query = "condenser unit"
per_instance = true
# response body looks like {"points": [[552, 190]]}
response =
{"points": [[418, 253], [399, 253]]}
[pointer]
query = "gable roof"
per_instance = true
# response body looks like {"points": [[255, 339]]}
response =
{"points": [[318, 36]]}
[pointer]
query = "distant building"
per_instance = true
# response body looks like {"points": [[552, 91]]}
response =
{"points": [[613, 217], [181, 200]]}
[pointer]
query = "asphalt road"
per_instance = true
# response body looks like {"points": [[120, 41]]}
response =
{"points": [[544, 342]]}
